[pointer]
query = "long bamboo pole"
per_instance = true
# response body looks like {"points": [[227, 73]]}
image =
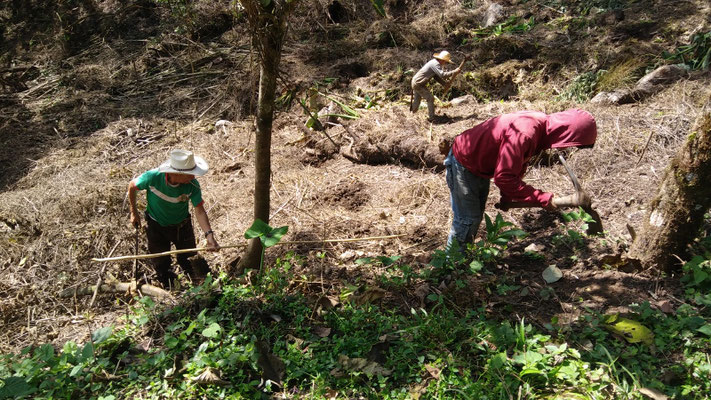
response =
{"points": [[167, 253]]}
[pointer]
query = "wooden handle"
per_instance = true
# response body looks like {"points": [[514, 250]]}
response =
{"points": [[451, 80], [181, 251], [515, 204]]}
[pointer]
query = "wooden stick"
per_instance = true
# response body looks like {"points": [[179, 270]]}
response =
{"points": [[649, 138], [135, 262], [167, 253], [156, 255], [118, 287], [451, 80], [100, 281]]}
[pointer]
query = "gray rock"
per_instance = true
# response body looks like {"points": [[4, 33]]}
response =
{"points": [[494, 14], [463, 100]]}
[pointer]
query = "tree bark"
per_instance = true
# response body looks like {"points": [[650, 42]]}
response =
{"points": [[269, 29], [676, 215]]}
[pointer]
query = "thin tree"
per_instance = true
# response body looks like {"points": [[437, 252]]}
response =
{"points": [[676, 215], [268, 23]]}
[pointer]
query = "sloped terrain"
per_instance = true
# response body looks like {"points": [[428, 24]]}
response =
{"points": [[90, 103]]}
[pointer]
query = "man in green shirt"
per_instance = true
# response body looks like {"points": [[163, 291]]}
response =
{"points": [[169, 188]]}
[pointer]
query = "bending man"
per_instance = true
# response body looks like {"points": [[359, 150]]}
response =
{"points": [[500, 148], [433, 69], [169, 188]]}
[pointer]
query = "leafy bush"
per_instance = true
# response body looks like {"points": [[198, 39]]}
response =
{"points": [[581, 87], [213, 345], [498, 235], [695, 55], [512, 25]]}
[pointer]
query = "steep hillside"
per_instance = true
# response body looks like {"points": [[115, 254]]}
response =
{"points": [[96, 93]]}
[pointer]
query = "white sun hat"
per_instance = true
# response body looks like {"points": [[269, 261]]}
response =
{"points": [[184, 162], [443, 56]]}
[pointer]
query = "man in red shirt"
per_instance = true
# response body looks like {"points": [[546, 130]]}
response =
{"points": [[500, 148]]}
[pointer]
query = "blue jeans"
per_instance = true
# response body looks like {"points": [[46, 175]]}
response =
{"points": [[468, 194]]}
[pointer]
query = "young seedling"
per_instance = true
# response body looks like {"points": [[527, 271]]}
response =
{"points": [[267, 235]]}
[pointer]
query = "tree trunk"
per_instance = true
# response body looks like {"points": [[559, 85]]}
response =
{"points": [[676, 215], [269, 30]]}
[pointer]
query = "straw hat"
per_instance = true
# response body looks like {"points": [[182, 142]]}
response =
{"points": [[184, 162], [443, 56]]}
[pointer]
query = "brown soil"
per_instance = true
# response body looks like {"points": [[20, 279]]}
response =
{"points": [[104, 111]]}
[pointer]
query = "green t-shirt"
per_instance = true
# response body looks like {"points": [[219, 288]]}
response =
{"points": [[168, 204]]}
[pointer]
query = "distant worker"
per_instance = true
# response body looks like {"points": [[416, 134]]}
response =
{"points": [[433, 69], [169, 188], [501, 148]]}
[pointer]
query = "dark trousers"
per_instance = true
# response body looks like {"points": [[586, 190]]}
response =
{"points": [[160, 239]]}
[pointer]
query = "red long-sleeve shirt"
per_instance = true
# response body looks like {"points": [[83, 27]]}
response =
{"points": [[501, 147]]}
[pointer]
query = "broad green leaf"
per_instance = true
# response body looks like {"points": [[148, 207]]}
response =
{"points": [[388, 260], [102, 334], [703, 299], [189, 330], [365, 260], [267, 235], [632, 331], [489, 224], [498, 360], [700, 276], [87, 353], [274, 236], [45, 352], [476, 266], [343, 106], [528, 358], [513, 233], [258, 228], [76, 370], [212, 331], [15, 386], [171, 341], [706, 329], [530, 371], [568, 371]]}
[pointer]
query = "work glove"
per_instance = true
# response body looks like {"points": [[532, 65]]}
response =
{"points": [[579, 199]]}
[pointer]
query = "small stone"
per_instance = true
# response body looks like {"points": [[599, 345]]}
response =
{"points": [[534, 248], [666, 307], [552, 274]]}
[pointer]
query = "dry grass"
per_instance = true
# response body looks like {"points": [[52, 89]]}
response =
{"points": [[70, 204], [622, 75]]}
